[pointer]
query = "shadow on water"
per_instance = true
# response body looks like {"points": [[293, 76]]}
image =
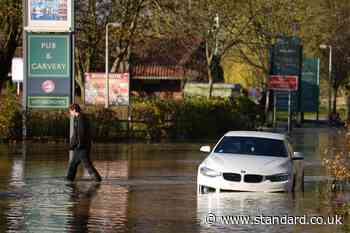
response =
{"points": [[149, 188]]}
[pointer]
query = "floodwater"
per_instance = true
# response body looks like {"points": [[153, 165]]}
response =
{"points": [[152, 188]]}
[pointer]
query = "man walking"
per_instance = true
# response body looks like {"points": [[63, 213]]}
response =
{"points": [[80, 143]]}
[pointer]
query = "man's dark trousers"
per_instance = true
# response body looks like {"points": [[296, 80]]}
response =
{"points": [[81, 155]]}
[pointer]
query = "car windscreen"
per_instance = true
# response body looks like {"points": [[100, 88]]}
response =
{"points": [[252, 146]]}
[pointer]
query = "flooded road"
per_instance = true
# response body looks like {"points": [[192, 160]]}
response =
{"points": [[152, 188]]}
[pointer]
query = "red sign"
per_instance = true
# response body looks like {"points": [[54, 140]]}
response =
{"points": [[283, 82]]}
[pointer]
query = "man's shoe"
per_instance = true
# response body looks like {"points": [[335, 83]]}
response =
{"points": [[68, 179]]}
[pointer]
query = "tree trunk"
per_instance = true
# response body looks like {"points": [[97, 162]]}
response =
{"points": [[209, 57], [80, 81], [211, 81], [3, 78], [348, 108], [1, 84], [82, 91], [335, 91]]}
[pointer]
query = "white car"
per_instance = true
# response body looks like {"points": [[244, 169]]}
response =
{"points": [[251, 161]]}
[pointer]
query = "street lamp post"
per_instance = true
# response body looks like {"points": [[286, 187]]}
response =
{"points": [[114, 24], [323, 46]]}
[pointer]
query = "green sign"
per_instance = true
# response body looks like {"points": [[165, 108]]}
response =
{"points": [[286, 59], [282, 99], [48, 102], [309, 89], [48, 55], [310, 85], [48, 70]]}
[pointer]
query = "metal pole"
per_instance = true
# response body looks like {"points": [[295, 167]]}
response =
{"points": [[72, 75], [107, 71], [129, 107], [24, 93], [267, 104], [217, 25], [72, 99], [274, 109], [318, 91], [18, 88], [330, 82], [289, 111]]}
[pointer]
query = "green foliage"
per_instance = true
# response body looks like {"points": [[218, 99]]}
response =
{"points": [[153, 119], [10, 117], [53, 123], [104, 123], [10, 88], [195, 118]]}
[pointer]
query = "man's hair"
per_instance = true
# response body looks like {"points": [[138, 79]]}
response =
{"points": [[75, 107]]}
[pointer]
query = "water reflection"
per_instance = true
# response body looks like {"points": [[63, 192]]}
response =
{"points": [[94, 211], [261, 208], [244, 204], [108, 210]]}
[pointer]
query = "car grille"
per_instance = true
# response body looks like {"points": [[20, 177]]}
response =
{"points": [[232, 177], [253, 178]]}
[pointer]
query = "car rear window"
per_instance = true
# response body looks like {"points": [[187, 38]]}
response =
{"points": [[252, 146]]}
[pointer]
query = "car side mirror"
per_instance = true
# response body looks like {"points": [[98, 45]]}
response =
{"points": [[297, 156], [205, 149]]}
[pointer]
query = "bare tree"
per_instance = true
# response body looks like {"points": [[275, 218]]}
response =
{"points": [[137, 20], [10, 35], [220, 24], [271, 20]]}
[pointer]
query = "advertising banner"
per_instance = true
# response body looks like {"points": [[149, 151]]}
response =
{"points": [[50, 15], [118, 88], [48, 70]]}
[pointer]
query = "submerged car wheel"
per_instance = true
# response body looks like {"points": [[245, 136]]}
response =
{"points": [[204, 189]]}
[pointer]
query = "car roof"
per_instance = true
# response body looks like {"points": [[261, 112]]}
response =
{"points": [[256, 134]]}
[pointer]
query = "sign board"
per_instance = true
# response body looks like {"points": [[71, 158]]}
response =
{"points": [[282, 101], [286, 60], [48, 70], [310, 85], [48, 55], [283, 82], [17, 69], [309, 89], [286, 57], [50, 15], [118, 88]]}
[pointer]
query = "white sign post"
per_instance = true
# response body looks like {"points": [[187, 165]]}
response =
{"points": [[17, 72]]}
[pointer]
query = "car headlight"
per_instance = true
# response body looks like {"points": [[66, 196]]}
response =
{"points": [[209, 172], [278, 177]]}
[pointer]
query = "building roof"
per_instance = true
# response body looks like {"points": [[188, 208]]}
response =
{"points": [[169, 58], [157, 72]]}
